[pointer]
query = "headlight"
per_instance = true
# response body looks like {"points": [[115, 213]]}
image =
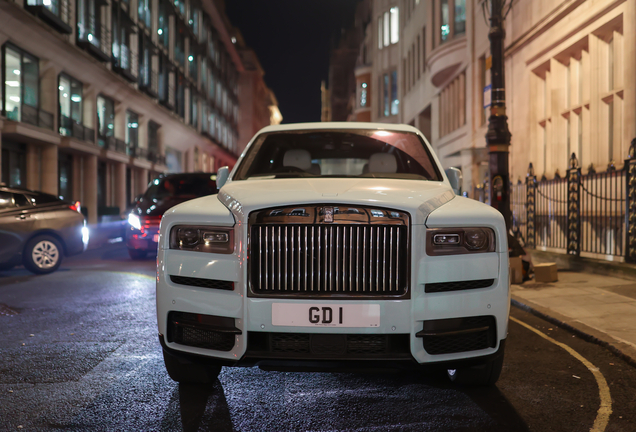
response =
{"points": [[134, 221], [455, 241], [202, 239]]}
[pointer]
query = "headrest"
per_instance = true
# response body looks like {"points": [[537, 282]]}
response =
{"points": [[297, 158], [382, 163]]}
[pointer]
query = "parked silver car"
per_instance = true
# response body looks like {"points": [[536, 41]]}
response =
{"points": [[38, 230]]}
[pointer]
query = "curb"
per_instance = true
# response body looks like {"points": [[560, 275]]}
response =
{"points": [[578, 332]]}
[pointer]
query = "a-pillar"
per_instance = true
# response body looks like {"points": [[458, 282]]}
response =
{"points": [[49, 175], [90, 188], [120, 186], [141, 181]]}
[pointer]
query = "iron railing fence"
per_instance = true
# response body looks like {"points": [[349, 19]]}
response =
{"points": [[592, 214]]}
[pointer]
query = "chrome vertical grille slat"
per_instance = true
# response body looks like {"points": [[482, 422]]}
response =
{"points": [[321, 259]]}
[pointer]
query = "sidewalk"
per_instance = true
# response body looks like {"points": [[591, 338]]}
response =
{"points": [[600, 308]]}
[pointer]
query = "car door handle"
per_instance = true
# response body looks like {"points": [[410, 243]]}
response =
{"points": [[22, 216]]}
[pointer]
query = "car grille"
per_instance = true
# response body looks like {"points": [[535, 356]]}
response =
{"points": [[457, 286], [333, 346], [337, 259], [447, 336]]}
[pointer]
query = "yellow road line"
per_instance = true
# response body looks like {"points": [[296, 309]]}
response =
{"points": [[605, 410]]}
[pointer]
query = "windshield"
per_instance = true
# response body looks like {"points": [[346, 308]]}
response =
{"points": [[338, 153], [186, 186]]}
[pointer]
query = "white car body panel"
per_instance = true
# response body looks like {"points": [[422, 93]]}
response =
{"points": [[430, 204]]}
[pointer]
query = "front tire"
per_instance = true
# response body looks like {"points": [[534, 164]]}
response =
{"points": [[480, 376], [43, 254], [190, 373]]}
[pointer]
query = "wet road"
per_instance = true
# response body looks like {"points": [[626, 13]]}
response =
{"points": [[79, 352]]}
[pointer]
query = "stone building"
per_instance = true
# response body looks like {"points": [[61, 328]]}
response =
{"points": [[570, 80], [100, 96]]}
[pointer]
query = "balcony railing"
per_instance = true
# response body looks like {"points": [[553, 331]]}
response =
{"points": [[89, 135], [56, 13], [121, 146], [95, 38], [149, 81], [139, 152], [36, 117]]}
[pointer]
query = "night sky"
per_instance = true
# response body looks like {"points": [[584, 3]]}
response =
{"points": [[292, 39]]}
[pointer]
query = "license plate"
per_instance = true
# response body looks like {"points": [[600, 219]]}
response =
{"points": [[155, 238], [325, 315]]}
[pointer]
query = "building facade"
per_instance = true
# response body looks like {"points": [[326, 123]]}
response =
{"points": [[99, 96], [570, 81]]}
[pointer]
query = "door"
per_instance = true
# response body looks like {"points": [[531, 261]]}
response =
{"points": [[16, 224]]}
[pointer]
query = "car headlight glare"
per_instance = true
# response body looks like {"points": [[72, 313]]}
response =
{"points": [[134, 221], [202, 239], [455, 241]]}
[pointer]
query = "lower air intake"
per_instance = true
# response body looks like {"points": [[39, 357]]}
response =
{"points": [[455, 335]]}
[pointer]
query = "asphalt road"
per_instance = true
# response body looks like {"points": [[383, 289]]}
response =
{"points": [[79, 352]]}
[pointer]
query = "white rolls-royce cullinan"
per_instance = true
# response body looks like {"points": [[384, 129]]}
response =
{"points": [[334, 245]]}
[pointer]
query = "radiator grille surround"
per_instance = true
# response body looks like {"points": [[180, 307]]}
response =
{"points": [[363, 252]]}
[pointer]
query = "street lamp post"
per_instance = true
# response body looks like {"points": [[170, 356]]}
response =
{"points": [[498, 134]]}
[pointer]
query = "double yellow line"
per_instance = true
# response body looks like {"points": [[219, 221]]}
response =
{"points": [[605, 409]]}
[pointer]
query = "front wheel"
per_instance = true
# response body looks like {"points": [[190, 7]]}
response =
{"points": [[190, 373], [483, 375], [43, 254]]}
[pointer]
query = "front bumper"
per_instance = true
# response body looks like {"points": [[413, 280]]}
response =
{"points": [[253, 316]]}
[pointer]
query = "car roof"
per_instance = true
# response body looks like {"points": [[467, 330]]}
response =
{"points": [[340, 125]]}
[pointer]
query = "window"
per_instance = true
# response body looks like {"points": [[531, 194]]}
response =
{"points": [[105, 119], [460, 17], [194, 115], [122, 28], [179, 47], [65, 176], [163, 27], [13, 164], [21, 85], [181, 96], [153, 137], [380, 38], [386, 95], [70, 104], [132, 130], [395, 25], [444, 26], [89, 24], [180, 5], [450, 20], [145, 13], [192, 63], [6, 201], [394, 93]]}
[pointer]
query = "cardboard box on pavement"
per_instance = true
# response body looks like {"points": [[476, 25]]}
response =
{"points": [[545, 272], [516, 270]]}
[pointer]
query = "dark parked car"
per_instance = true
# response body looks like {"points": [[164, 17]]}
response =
{"points": [[164, 192], [38, 230]]}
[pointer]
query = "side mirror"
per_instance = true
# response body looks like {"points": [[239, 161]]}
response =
{"points": [[455, 178], [221, 176]]}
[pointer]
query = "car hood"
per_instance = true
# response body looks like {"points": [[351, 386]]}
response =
{"points": [[418, 197]]}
